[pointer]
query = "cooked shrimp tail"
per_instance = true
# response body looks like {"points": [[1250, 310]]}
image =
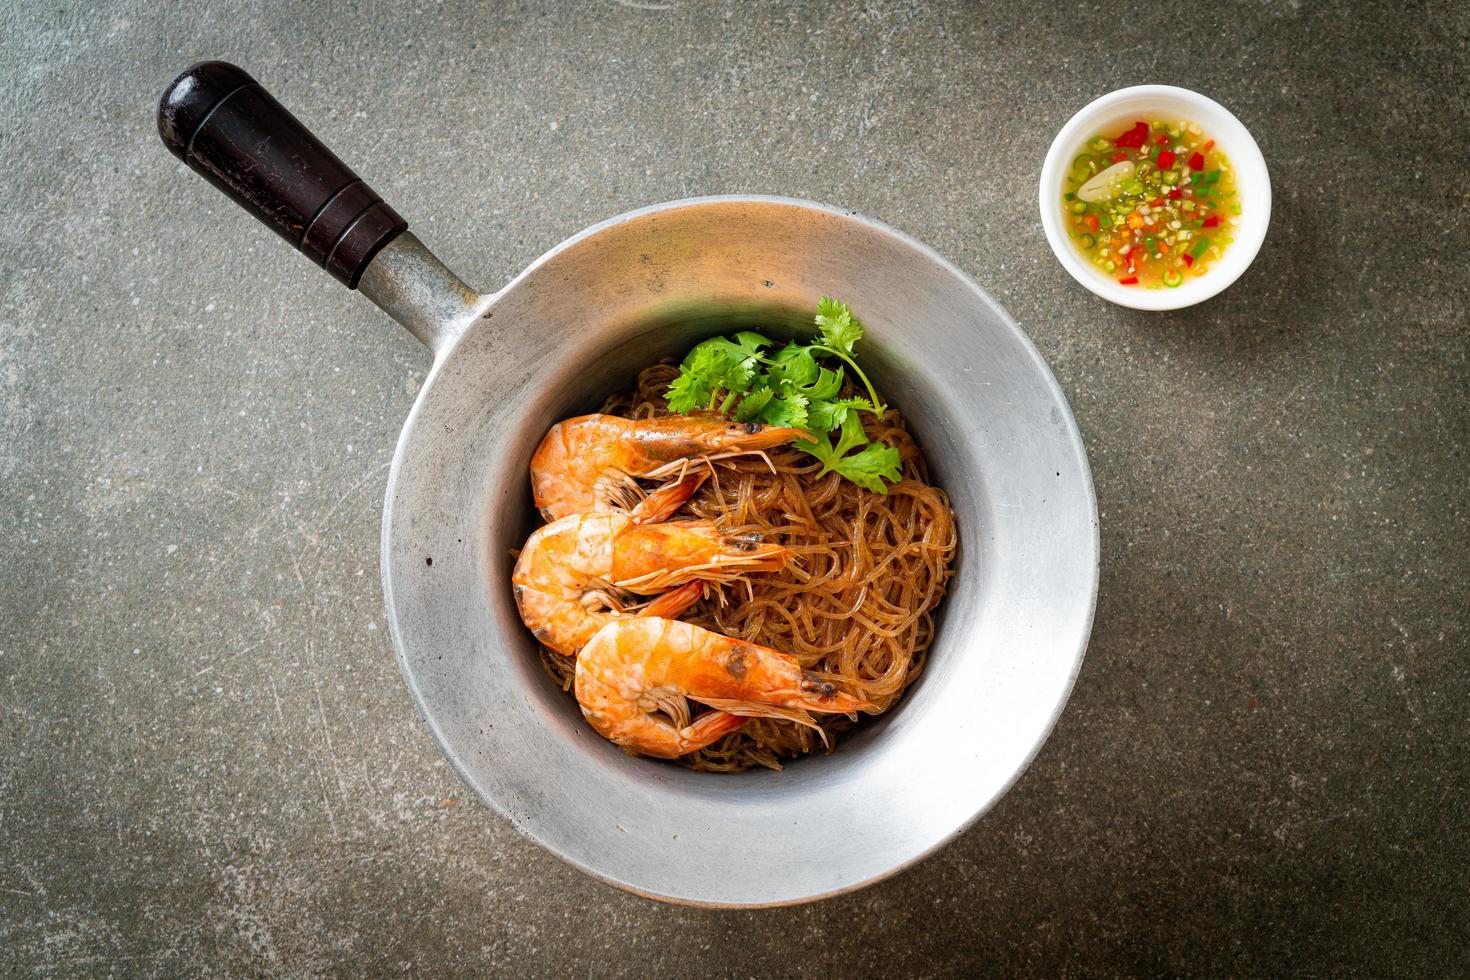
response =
{"points": [[661, 504], [634, 679], [674, 603], [710, 727]]}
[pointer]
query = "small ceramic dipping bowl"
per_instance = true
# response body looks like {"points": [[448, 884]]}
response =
{"points": [[1113, 113]]}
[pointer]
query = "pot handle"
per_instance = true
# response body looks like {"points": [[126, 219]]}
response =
{"points": [[228, 129]]}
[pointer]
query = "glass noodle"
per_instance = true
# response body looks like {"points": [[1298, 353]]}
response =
{"points": [[856, 605]]}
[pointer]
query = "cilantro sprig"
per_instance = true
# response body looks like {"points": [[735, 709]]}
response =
{"points": [[868, 466], [746, 377], [840, 332]]}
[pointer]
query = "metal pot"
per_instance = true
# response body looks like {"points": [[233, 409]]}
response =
{"points": [[577, 325]]}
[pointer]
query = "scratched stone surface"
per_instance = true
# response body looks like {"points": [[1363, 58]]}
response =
{"points": [[208, 762]]}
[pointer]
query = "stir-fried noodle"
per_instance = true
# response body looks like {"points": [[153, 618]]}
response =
{"points": [[856, 605]]}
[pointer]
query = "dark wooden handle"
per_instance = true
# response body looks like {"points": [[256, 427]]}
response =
{"points": [[228, 129]]}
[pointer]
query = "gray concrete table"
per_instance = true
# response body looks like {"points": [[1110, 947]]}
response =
{"points": [[209, 763]]}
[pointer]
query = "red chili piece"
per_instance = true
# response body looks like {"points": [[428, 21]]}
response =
{"points": [[1197, 162], [1091, 220], [1175, 194], [1213, 221], [1130, 281], [1163, 139], [1134, 137], [1166, 159], [1188, 259], [1119, 157]]}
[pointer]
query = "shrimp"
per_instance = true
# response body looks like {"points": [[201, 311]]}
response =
{"points": [[571, 572], [634, 667], [590, 463]]}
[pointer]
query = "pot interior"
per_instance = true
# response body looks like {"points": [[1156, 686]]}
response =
{"points": [[584, 384]]}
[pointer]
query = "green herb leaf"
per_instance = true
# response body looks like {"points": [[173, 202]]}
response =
{"points": [[840, 334], [744, 346], [693, 388], [750, 406], [851, 436], [714, 366], [828, 415], [793, 365], [868, 467], [871, 466], [839, 330], [794, 369], [752, 341], [827, 385], [787, 411], [736, 372]]}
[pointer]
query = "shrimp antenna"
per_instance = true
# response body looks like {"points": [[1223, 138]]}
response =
{"points": [[673, 465], [754, 709]]}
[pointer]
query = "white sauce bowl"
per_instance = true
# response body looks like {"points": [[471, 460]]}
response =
{"points": [[1113, 113]]}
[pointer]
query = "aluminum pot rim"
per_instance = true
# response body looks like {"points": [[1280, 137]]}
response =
{"points": [[1074, 439]]}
